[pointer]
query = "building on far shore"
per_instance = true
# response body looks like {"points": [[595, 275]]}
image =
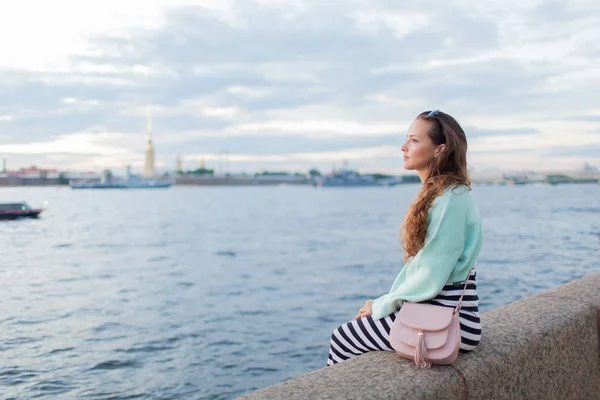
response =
{"points": [[149, 167], [179, 165], [32, 176]]}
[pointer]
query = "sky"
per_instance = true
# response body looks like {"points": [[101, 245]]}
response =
{"points": [[251, 85]]}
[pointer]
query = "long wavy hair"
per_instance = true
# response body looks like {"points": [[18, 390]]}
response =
{"points": [[448, 169]]}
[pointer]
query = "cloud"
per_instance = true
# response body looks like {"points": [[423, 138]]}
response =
{"points": [[85, 143], [275, 81], [476, 132], [260, 145], [309, 157], [587, 118], [564, 151]]}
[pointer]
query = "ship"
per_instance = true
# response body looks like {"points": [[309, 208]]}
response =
{"points": [[351, 178], [131, 182], [18, 210]]}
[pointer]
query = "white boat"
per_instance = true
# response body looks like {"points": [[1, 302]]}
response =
{"points": [[132, 182]]}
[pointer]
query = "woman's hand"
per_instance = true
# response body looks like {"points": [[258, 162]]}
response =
{"points": [[365, 311]]}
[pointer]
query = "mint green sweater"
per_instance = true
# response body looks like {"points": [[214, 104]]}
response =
{"points": [[452, 244]]}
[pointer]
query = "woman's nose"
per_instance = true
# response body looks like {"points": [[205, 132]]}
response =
{"points": [[404, 148]]}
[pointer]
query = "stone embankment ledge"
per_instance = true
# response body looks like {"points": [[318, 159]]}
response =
{"points": [[542, 347]]}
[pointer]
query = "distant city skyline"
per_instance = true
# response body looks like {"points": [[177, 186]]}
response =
{"points": [[247, 85], [221, 169]]}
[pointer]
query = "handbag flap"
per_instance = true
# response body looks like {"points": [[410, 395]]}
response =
{"points": [[410, 337], [425, 316], [441, 345]]}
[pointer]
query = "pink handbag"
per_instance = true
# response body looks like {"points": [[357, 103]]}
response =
{"points": [[427, 333]]}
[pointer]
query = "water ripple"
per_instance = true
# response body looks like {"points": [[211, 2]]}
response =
{"points": [[224, 343], [13, 376], [51, 386], [57, 351], [226, 253], [106, 327], [115, 364], [145, 349], [25, 340], [257, 371], [63, 245]]}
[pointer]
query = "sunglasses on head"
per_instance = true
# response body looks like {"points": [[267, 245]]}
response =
{"points": [[436, 113]]}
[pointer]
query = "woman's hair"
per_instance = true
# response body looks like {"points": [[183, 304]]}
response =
{"points": [[449, 168]]}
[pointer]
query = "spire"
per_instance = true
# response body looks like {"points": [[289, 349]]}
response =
{"points": [[149, 161], [149, 126]]}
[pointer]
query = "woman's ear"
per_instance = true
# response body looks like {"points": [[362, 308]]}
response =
{"points": [[441, 148]]}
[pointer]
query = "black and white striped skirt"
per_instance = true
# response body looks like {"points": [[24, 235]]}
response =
{"points": [[368, 334]]}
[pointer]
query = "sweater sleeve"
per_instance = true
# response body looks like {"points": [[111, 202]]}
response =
{"points": [[426, 274]]}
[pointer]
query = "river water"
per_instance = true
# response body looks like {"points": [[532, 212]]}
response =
{"points": [[212, 292]]}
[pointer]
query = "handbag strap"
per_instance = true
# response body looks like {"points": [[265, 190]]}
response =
{"points": [[459, 305]]}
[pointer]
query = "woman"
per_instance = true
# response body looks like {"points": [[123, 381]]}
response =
{"points": [[441, 237]]}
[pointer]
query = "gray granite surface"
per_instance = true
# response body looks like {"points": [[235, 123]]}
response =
{"points": [[543, 347]]}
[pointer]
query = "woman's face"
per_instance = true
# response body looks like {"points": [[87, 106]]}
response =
{"points": [[418, 150]]}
